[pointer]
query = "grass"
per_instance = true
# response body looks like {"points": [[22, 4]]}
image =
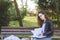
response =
{"points": [[14, 23], [28, 21]]}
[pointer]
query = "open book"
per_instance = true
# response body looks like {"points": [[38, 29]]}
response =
{"points": [[36, 32]]}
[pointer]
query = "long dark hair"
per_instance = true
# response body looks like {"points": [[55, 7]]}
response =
{"points": [[40, 22]]}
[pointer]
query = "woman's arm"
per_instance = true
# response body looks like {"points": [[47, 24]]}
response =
{"points": [[49, 29]]}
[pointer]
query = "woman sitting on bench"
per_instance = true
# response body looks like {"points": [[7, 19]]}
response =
{"points": [[46, 25]]}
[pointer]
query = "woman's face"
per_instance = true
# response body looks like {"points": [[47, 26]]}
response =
{"points": [[42, 16]]}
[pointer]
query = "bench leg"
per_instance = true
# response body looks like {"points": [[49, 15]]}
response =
{"points": [[2, 37]]}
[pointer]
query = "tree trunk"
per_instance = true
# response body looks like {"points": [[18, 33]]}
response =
{"points": [[18, 14]]}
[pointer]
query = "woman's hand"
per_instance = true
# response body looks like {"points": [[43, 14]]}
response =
{"points": [[41, 34]]}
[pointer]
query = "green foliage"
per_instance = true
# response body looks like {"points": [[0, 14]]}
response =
{"points": [[4, 14], [59, 6], [52, 7], [12, 12], [41, 4], [13, 15], [23, 12]]}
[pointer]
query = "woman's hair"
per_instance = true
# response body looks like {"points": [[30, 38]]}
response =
{"points": [[40, 22]]}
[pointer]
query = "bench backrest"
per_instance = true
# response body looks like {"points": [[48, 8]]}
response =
{"points": [[16, 30], [20, 30]]}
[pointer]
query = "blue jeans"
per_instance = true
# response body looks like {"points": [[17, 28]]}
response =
{"points": [[42, 38]]}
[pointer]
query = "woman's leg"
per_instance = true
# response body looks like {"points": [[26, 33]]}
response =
{"points": [[47, 38], [42, 38], [36, 38]]}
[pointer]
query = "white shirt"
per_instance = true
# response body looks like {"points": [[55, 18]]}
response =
{"points": [[43, 27]]}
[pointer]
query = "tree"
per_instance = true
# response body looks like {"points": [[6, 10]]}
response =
{"points": [[19, 18], [13, 16], [4, 14], [23, 9], [15, 11]]}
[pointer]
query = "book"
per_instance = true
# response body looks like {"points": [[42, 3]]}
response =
{"points": [[36, 32]]}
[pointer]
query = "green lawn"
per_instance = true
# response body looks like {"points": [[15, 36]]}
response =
{"points": [[28, 21]]}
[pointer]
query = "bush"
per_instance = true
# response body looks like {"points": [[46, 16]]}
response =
{"points": [[4, 15]]}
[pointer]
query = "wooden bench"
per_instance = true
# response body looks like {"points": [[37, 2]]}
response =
{"points": [[16, 31], [19, 31]]}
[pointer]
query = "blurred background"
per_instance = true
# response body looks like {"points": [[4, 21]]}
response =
{"points": [[23, 13], [19, 13]]}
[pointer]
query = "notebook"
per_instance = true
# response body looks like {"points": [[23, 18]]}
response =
{"points": [[36, 32]]}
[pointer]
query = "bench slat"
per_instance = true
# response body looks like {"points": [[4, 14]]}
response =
{"points": [[16, 33], [2, 30]]}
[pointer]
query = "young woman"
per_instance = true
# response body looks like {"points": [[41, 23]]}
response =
{"points": [[46, 25]]}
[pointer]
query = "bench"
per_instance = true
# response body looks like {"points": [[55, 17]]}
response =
{"points": [[19, 31], [16, 31]]}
